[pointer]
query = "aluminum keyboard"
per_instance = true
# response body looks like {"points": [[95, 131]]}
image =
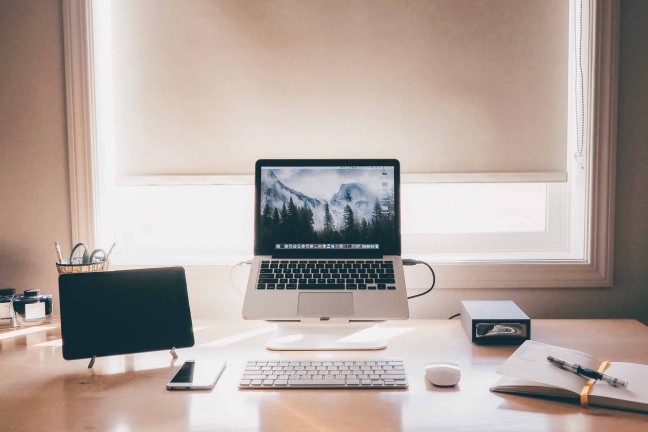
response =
{"points": [[326, 275], [319, 374]]}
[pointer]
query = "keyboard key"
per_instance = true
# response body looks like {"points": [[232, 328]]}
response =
{"points": [[254, 377], [326, 382], [395, 377], [321, 286], [385, 281]]}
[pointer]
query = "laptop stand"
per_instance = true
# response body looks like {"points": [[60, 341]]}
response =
{"points": [[330, 335]]}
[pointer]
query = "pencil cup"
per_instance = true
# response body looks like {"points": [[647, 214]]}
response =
{"points": [[66, 267]]}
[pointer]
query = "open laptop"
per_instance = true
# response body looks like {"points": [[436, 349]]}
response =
{"points": [[327, 241]]}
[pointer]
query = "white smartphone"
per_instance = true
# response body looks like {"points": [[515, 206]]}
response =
{"points": [[194, 375]]}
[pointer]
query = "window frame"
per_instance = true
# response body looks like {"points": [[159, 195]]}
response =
{"points": [[598, 177]]}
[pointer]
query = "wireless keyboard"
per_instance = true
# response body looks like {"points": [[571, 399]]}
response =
{"points": [[318, 374]]}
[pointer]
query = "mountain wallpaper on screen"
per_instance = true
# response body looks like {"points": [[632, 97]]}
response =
{"points": [[356, 212]]}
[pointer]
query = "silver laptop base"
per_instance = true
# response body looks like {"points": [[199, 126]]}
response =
{"points": [[326, 336]]}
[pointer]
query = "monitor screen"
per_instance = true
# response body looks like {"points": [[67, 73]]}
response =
{"points": [[322, 208], [124, 312]]}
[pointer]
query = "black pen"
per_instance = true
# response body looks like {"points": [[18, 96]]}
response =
{"points": [[585, 372]]}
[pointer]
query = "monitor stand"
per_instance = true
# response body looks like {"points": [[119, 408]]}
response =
{"points": [[330, 335]]}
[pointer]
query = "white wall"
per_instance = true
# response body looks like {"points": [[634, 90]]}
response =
{"points": [[34, 197]]}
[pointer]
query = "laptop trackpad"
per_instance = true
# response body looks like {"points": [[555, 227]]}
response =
{"points": [[318, 305]]}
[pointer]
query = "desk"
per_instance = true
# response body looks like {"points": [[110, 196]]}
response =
{"points": [[41, 391]]}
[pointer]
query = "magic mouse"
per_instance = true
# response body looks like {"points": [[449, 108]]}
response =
{"points": [[443, 374]]}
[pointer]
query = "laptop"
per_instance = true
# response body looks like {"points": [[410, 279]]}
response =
{"points": [[327, 241]]}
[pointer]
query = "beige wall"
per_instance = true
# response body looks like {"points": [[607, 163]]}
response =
{"points": [[34, 190], [34, 197]]}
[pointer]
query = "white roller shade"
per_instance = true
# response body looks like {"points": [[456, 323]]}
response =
{"points": [[446, 86]]}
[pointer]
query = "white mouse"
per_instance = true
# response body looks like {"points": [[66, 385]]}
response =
{"points": [[443, 374]]}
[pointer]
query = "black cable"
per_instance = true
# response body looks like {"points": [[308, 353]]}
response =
{"points": [[411, 262], [454, 316]]}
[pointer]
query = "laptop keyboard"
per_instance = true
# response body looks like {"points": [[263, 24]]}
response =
{"points": [[341, 374], [326, 275]]}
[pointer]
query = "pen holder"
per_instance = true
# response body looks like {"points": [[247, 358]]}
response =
{"points": [[65, 267]]}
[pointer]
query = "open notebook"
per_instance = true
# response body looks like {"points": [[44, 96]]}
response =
{"points": [[528, 372]]}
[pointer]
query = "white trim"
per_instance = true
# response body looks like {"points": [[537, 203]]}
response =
{"points": [[175, 180], [603, 118], [184, 180], [594, 271], [536, 177], [77, 37]]}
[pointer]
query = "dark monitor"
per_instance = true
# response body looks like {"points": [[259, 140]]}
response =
{"points": [[124, 312]]}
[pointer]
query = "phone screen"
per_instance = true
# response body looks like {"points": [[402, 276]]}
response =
{"points": [[194, 375], [185, 373]]}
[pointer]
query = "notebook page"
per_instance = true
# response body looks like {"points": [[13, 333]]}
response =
{"points": [[637, 392], [529, 362]]}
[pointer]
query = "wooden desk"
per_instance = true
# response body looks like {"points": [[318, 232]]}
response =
{"points": [[41, 391]]}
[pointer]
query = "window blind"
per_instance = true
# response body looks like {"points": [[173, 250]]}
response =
{"points": [[446, 86]]}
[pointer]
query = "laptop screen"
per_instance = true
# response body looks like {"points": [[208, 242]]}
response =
{"points": [[326, 208]]}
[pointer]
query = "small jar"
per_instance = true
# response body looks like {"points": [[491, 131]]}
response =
{"points": [[7, 311], [33, 308]]}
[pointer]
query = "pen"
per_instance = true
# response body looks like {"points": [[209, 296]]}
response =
{"points": [[585, 372], [110, 251], [58, 251]]}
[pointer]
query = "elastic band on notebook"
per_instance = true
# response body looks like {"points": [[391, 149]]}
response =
{"points": [[587, 388]]}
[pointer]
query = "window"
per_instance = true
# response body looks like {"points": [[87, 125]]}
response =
{"points": [[533, 229]]}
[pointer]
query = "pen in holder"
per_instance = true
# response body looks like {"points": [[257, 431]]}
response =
{"points": [[96, 260]]}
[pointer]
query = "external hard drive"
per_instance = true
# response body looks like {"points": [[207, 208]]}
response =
{"points": [[495, 322]]}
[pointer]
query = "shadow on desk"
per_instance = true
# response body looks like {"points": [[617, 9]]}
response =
{"points": [[567, 414]]}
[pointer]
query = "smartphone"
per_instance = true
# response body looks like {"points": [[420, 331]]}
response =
{"points": [[194, 375]]}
